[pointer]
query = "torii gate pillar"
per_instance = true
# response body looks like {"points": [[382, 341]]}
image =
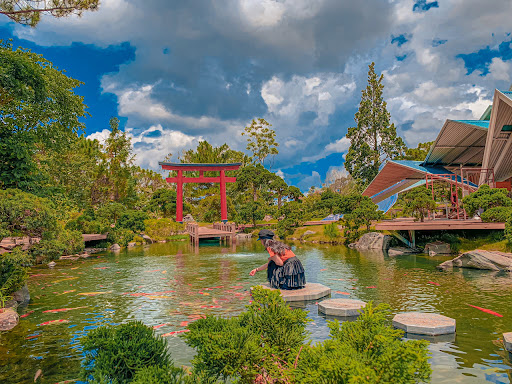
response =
{"points": [[222, 179]]}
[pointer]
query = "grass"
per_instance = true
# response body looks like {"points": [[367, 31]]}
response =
{"points": [[486, 244]]}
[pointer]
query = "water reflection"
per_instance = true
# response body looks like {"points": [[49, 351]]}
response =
{"points": [[169, 285]]}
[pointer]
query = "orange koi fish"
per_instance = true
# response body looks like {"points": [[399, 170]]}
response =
{"points": [[343, 293], [486, 310], [433, 283], [174, 333], [63, 293], [94, 293], [27, 314], [62, 310], [53, 322]]}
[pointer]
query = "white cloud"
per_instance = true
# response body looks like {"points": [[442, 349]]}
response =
{"points": [[338, 146], [321, 94], [101, 136], [499, 69]]}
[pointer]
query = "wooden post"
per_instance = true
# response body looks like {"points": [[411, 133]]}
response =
{"points": [[179, 197], [223, 202]]}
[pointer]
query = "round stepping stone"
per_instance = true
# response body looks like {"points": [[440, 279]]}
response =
{"points": [[312, 291], [507, 340], [341, 307], [421, 323]]}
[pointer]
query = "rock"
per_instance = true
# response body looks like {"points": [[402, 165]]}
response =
{"points": [[188, 218], [84, 255], [307, 233], [52, 264], [243, 235], [396, 251], [69, 257], [352, 245], [8, 319], [478, 259], [132, 244], [22, 296], [115, 247], [373, 240], [147, 239], [267, 218], [438, 247], [507, 340]]}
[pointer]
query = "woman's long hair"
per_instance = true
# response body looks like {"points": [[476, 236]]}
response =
{"points": [[276, 246]]}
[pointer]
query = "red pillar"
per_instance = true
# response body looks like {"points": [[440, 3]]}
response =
{"points": [[179, 197], [223, 203]]}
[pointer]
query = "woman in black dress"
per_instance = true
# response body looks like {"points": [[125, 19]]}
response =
{"points": [[284, 269]]}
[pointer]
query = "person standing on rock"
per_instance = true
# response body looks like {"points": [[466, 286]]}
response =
{"points": [[284, 269]]}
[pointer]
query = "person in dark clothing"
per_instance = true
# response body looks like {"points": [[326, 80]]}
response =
{"points": [[284, 269]]}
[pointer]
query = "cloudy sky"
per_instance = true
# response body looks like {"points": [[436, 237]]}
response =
{"points": [[176, 72]]}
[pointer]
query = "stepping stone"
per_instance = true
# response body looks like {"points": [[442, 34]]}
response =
{"points": [[312, 291], [341, 307], [507, 340], [421, 323]]}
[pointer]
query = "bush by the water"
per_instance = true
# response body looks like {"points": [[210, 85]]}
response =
{"points": [[497, 215], [331, 231], [418, 203], [486, 198], [161, 229], [13, 272], [116, 353]]}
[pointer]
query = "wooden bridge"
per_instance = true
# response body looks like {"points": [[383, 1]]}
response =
{"points": [[218, 231]]}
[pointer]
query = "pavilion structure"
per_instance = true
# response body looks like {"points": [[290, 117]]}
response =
{"points": [[180, 179], [465, 154]]}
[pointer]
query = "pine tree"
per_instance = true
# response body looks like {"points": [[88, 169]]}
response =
{"points": [[374, 139]]}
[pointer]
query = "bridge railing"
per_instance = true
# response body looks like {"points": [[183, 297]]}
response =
{"points": [[226, 227], [193, 229]]}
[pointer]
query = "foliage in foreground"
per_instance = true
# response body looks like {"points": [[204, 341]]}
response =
{"points": [[265, 344], [13, 273]]}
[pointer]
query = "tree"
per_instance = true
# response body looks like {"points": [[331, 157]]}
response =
{"points": [[294, 193], [418, 203], [250, 212], [374, 139], [279, 187], [261, 140], [164, 201], [28, 12], [361, 212], [419, 153], [252, 178], [340, 182], [31, 122]]}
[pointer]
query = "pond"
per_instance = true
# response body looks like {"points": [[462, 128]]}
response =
{"points": [[169, 285]]}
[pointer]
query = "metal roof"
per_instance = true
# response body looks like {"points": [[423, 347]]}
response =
{"points": [[460, 142]]}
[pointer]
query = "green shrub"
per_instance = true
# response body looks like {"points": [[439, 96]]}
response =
{"points": [[65, 242], [362, 213], [367, 350], [160, 229], [115, 353], [497, 214], [85, 225], [121, 236], [22, 213], [418, 203], [331, 231], [243, 346], [13, 272], [486, 198], [133, 220]]}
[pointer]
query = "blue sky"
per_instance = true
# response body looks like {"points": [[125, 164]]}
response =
{"points": [[178, 72]]}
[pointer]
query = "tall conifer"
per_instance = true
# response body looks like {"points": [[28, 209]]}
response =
{"points": [[374, 139]]}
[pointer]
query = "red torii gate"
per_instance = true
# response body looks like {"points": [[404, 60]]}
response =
{"points": [[201, 167]]}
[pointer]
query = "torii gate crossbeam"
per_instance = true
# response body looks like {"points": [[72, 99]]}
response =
{"points": [[201, 167]]}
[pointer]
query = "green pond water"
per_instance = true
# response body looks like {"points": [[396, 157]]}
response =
{"points": [[169, 285]]}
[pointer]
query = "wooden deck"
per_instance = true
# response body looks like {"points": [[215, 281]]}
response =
{"points": [[94, 237], [434, 225], [218, 231]]}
